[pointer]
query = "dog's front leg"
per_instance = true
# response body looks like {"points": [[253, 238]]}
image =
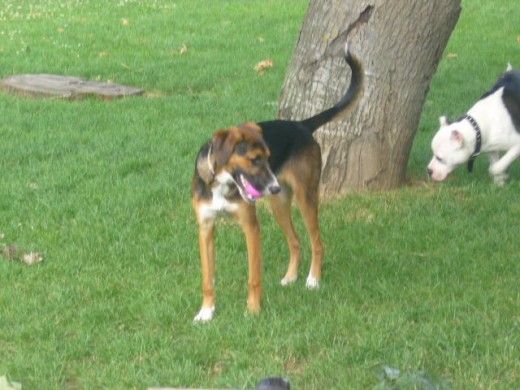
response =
{"points": [[248, 220], [207, 257], [499, 178], [498, 168]]}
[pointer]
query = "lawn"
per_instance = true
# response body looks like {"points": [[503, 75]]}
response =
{"points": [[424, 279]]}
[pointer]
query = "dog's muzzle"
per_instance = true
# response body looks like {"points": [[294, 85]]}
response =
{"points": [[250, 193]]}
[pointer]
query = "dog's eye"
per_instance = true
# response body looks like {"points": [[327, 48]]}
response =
{"points": [[257, 161], [439, 159], [241, 148]]}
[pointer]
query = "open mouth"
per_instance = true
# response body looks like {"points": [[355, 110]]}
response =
{"points": [[248, 192]]}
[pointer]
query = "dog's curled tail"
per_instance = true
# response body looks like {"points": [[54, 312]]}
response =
{"points": [[348, 102]]}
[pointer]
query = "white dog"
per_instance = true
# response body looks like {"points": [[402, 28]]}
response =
{"points": [[491, 126]]}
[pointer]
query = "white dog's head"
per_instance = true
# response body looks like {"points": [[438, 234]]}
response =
{"points": [[450, 148]]}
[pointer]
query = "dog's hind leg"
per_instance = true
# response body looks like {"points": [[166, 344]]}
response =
{"points": [[308, 201], [306, 187], [281, 204]]}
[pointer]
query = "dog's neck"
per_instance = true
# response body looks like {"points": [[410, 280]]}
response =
{"points": [[206, 166], [478, 141]]}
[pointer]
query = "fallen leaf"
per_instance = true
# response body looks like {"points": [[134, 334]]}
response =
{"points": [[32, 258], [452, 55], [518, 39], [263, 65], [183, 49], [125, 22]]}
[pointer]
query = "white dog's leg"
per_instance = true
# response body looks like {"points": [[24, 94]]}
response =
{"points": [[493, 157], [498, 168], [498, 179]]}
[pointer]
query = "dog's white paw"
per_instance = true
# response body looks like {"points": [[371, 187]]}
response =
{"points": [[205, 314], [498, 174], [500, 179], [312, 283], [287, 281]]}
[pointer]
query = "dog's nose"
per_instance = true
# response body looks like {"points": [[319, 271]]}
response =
{"points": [[430, 172]]}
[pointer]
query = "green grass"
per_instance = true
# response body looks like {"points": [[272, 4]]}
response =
{"points": [[424, 278]]}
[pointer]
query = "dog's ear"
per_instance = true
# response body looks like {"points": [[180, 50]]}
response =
{"points": [[444, 121], [456, 136], [253, 127], [224, 142]]}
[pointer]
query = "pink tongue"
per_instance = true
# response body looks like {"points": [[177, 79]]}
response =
{"points": [[253, 191]]}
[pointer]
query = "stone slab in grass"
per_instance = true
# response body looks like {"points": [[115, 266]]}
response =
{"points": [[64, 87]]}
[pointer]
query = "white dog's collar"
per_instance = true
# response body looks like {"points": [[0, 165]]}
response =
{"points": [[478, 142]]}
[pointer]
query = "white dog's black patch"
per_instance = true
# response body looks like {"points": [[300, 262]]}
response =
{"points": [[510, 81]]}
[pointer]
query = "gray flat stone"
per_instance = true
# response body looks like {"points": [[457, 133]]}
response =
{"points": [[64, 87]]}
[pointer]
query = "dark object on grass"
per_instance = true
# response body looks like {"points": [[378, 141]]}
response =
{"points": [[64, 87], [273, 384]]}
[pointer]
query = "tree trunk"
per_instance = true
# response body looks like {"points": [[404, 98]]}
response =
{"points": [[400, 47]]}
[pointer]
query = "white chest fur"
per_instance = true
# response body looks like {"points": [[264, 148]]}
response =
{"points": [[219, 203]]}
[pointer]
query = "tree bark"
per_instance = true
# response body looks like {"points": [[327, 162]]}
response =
{"points": [[400, 46]]}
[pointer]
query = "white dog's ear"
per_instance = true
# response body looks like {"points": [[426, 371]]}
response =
{"points": [[444, 121], [456, 137]]}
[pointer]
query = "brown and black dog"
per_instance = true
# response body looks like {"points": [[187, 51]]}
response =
{"points": [[278, 158]]}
